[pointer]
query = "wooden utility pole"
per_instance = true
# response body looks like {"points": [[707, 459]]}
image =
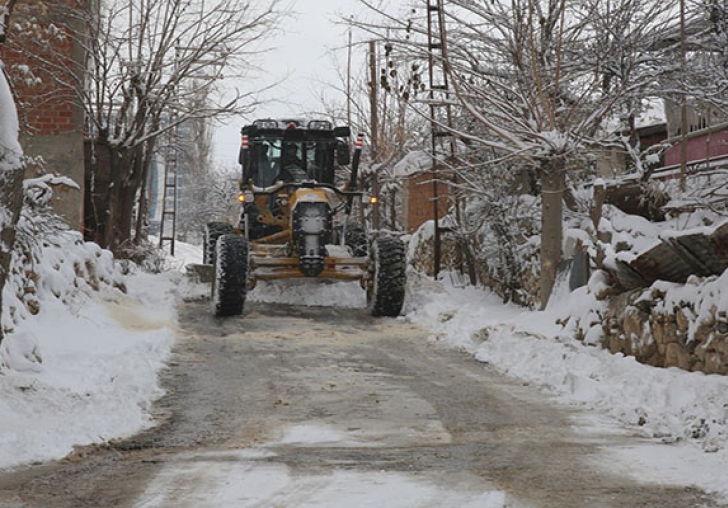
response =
{"points": [[439, 98], [374, 117], [683, 102], [348, 81]]}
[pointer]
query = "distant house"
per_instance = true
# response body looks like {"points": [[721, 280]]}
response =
{"points": [[651, 129], [416, 205], [706, 141], [52, 120]]}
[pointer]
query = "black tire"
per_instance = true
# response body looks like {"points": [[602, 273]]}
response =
{"points": [[230, 275], [356, 240], [213, 231], [389, 276]]}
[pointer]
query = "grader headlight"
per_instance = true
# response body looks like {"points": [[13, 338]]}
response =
{"points": [[246, 197]]}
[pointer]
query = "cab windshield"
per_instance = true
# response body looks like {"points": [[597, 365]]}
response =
{"points": [[277, 160]]}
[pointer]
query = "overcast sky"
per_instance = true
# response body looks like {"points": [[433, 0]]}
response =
{"points": [[302, 57]]}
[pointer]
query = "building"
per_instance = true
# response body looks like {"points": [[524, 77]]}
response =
{"points": [[416, 204], [51, 116]]}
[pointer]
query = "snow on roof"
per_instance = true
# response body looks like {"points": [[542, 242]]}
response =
{"points": [[412, 163], [653, 113]]}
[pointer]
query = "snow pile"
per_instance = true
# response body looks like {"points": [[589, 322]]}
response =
{"points": [[81, 365], [668, 404], [60, 266], [310, 292]]}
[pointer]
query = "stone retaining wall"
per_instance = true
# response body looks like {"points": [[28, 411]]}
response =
{"points": [[643, 324]]}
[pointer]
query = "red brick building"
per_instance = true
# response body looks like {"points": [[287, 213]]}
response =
{"points": [[418, 200], [44, 60]]}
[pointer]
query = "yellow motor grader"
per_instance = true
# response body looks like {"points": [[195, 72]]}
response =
{"points": [[295, 219]]}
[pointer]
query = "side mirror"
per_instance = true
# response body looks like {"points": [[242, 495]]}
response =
{"points": [[343, 157]]}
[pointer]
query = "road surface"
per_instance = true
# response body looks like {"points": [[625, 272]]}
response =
{"points": [[294, 406]]}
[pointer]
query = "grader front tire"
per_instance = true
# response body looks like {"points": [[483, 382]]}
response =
{"points": [[389, 265]]}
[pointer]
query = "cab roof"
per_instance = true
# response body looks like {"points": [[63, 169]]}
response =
{"points": [[294, 129]]}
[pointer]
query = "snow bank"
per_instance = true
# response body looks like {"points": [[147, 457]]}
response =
{"points": [[83, 369], [669, 404]]}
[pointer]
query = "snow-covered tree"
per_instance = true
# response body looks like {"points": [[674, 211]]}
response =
{"points": [[399, 130], [11, 166], [208, 196], [703, 79], [544, 80]]}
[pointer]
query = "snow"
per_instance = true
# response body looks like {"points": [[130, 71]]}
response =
{"points": [[99, 358], [653, 113], [242, 484], [10, 151], [412, 163], [100, 361]]}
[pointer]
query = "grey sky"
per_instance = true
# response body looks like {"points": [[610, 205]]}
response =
{"points": [[301, 57]]}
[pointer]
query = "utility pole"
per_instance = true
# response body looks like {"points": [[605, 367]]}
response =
{"points": [[439, 98], [374, 116], [348, 81], [683, 102]]}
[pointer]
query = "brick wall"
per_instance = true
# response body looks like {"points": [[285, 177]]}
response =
{"points": [[51, 118], [418, 196]]}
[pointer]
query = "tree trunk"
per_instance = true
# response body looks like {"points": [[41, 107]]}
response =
{"points": [[11, 200], [117, 178], [126, 217], [11, 183], [111, 219], [552, 191]]}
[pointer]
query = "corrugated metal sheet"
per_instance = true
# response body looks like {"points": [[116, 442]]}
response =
{"points": [[675, 259]]}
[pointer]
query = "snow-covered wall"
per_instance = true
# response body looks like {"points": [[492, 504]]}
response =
{"points": [[672, 325]]}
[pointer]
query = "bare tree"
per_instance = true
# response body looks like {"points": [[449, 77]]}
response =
{"points": [[133, 87], [542, 79], [398, 128], [11, 166]]}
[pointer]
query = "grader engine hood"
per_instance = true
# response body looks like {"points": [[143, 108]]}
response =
{"points": [[312, 224]]}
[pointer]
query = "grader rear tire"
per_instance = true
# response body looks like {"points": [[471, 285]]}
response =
{"points": [[356, 240], [230, 275], [213, 231]]}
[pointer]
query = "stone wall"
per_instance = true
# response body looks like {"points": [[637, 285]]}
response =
{"points": [[663, 332]]}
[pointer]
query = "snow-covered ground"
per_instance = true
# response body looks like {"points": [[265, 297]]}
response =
{"points": [[97, 378]]}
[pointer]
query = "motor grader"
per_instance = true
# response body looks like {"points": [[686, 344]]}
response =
{"points": [[295, 219]]}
